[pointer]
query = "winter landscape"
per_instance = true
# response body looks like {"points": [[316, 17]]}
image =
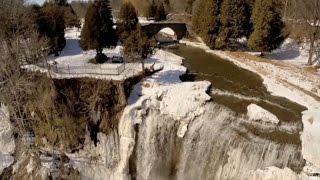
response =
{"points": [[160, 89]]}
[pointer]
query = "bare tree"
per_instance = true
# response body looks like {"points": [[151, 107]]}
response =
{"points": [[20, 44], [308, 13]]}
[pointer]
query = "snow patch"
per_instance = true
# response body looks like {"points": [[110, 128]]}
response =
{"points": [[257, 113], [292, 52], [311, 137]]}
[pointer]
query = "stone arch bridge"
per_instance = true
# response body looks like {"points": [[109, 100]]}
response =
{"points": [[152, 29]]}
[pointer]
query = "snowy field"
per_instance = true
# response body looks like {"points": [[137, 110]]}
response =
{"points": [[74, 62], [292, 52]]}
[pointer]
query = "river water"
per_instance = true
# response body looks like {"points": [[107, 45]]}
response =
{"points": [[233, 86]]}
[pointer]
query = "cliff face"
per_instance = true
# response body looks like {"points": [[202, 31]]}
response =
{"points": [[63, 114], [174, 130]]}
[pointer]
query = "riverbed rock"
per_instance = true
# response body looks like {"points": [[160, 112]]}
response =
{"points": [[257, 113]]}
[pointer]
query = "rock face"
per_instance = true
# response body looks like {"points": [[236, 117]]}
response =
{"points": [[7, 143], [257, 113]]}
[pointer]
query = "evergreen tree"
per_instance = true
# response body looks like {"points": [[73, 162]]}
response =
{"points": [[98, 31], [268, 25], [189, 6], [249, 10], [141, 6], [50, 23], [70, 17], [234, 21], [128, 19], [167, 6], [205, 19], [138, 46], [152, 9], [160, 13]]}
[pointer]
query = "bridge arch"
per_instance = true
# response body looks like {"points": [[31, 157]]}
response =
{"points": [[152, 29], [166, 35]]}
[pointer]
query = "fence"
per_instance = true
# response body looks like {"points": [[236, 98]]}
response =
{"points": [[103, 69]]}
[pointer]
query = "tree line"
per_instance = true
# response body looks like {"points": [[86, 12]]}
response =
{"points": [[221, 22]]}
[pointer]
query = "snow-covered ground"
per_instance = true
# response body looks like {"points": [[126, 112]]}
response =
{"points": [[7, 143], [292, 52], [73, 62], [291, 81]]}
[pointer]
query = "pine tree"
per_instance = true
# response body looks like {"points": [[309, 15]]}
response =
{"points": [[138, 46], [205, 19], [249, 10], [98, 31], [268, 25], [70, 17], [234, 21], [141, 6], [160, 13], [152, 9], [167, 5], [128, 20], [189, 6], [50, 23]]}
